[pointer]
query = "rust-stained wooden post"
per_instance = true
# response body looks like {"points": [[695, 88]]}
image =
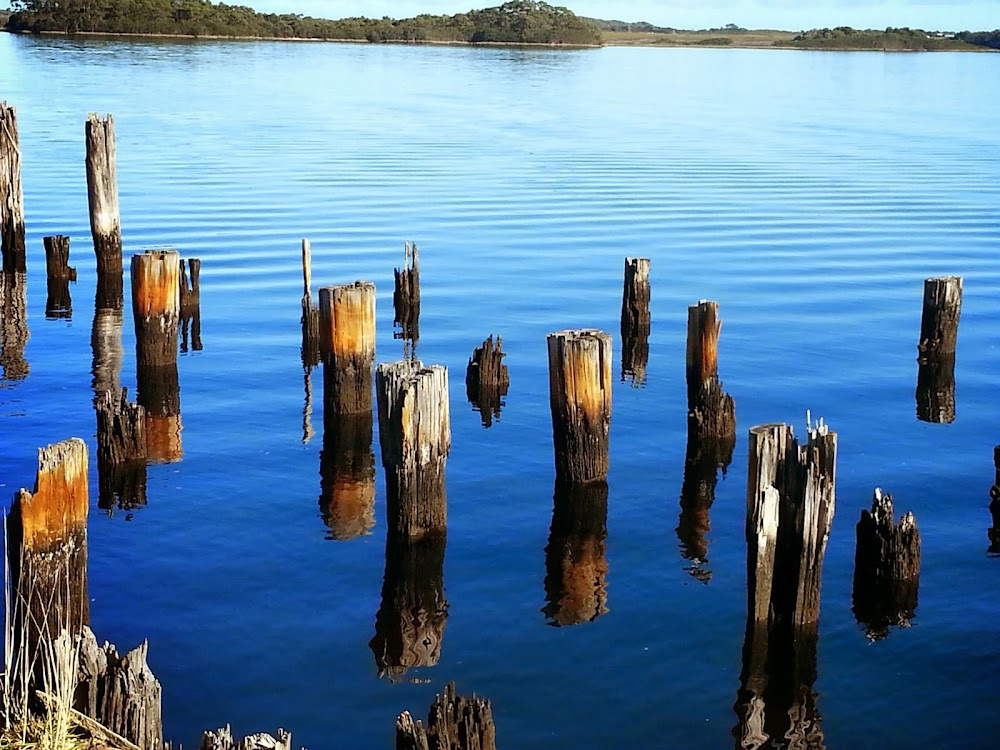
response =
{"points": [[156, 311], [347, 475], [14, 333], [102, 195], [576, 565], [12, 246], [190, 305], [406, 296], [47, 546], [994, 532], [790, 506], [347, 339], [121, 451], [453, 723], [711, 412], [310, 312], [487, 380], [58, 303], [886, 568], [409, 626], [415, 435], [635, 321], [580, 399]]}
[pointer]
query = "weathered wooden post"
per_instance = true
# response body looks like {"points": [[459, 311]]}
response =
{"points": [[415, 434], [121, 452], [310, 312], [11, 194], [156, 311], [409, 626], [102, 195], [190, 304], [942, 308], [14, 333], [453, 723], [406, 296], [487, 380], [635, 321], [886, 568], [711, 412], [576, 565], [702, 461], [994, 533], [580, 399], [47, 546], [222, 739], [58, 303], [347, 475], [106, 343], [347, 340]]}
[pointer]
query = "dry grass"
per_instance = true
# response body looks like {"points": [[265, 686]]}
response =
{"points": [[743, 39]]}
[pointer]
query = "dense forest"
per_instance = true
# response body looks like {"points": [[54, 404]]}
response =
{"points": [[519, 22], [901, 39]]}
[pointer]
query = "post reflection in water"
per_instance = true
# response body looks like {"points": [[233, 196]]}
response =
{"points": [[58, 302], [776, 705], [347, 472], [409, 626], [702, 462], [13, 325], [121, 486], [106, 342], [936, 389], [576, 565], [159, 392]]}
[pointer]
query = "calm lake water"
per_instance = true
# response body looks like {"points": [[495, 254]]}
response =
{"points": [[810, 194]]}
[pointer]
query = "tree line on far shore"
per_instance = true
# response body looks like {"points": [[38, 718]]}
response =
{"points": [[903, 39], [519, 21]]}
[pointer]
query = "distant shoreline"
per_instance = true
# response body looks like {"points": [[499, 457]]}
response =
{"points": [[689, 40]]}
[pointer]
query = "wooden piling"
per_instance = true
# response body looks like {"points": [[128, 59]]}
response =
{"points": [[47, 546], [156, 311], [711, 412], [102, 196], [935, 394], [576, 565], [409, 626], [347, 340], [453, 723], [994, 532], [635, 322], [347, 472], [415, 436], [14, 332], [790, 506], [222, 739], [12, 246], [190, 304], [487, 380], [58, 303], [121, 451], [406, 296], [939, 320], [310, 313], [580, 400], [886, 568]]}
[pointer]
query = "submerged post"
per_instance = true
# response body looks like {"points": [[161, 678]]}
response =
{"points": [[156, 311], [580, 399], [11, 194], [121, 451], [635, 320], [190, 305], [102, 195], [47, 546], [347, 340], [453, 723], [58, 303], [415, 434], [487, 380], [711, 412], [886, 568], [406, 296]]}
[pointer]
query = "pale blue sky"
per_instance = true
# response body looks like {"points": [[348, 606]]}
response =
{"points": [[795, 15]]}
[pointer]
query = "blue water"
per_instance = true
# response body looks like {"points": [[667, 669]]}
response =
{"points": [[810, 194]]}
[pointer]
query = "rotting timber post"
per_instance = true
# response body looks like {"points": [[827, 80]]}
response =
{"points": [[487, 379], [415, 434], [310, 313], [635, 320], [886, 567], [942, 308], [121, 451], [156, 311], [580, 400], [453, 723], [58, 272], [711, 412], [406, 296], [12, 245], [347, 340], [105, 222], [190, 310]]}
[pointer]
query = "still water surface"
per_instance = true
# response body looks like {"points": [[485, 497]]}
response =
{"points": [[808, 193]]}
